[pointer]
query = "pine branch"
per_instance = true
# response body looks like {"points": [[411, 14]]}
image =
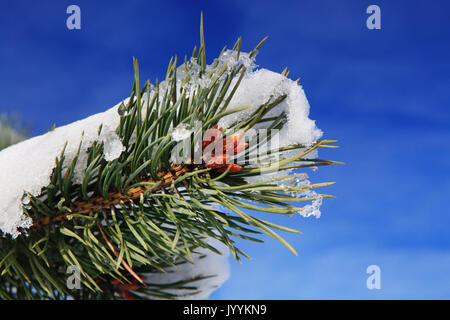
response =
{"points": [[145, 213], [98, 203]]}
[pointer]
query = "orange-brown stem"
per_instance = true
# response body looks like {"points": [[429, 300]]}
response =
{"points": [[97, 203]]}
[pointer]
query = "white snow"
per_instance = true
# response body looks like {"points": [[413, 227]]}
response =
{"points": [[181, 132], [27, 166], [230, 58], [257, 87], [212, 264], [300, 180], [312, 209]]}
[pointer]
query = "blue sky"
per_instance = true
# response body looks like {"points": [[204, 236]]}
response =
{"points": [[382, 93]]}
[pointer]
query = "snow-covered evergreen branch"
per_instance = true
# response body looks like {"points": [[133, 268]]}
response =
{"points": [[167, 180]]}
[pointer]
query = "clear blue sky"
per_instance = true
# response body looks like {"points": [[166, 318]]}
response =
{"points": [[384, 94]]}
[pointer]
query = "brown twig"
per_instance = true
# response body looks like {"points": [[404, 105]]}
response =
{"points": [[81, 207]]}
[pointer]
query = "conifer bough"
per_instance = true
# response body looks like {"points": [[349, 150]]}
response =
{"points": [[169, 179]]}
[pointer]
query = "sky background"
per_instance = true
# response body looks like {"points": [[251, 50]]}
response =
{"points": [[384, 94]]}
